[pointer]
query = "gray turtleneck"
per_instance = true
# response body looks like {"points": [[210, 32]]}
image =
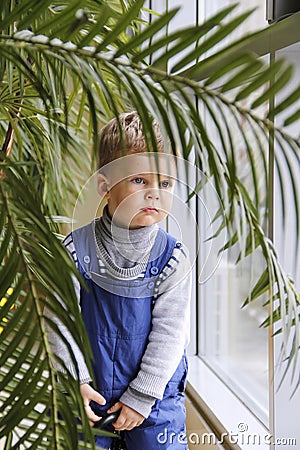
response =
{"points": [[125, 254]]}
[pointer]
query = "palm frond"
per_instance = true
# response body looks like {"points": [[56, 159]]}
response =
{"points": [[31, 396]]}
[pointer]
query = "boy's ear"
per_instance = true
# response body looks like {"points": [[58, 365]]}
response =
{"points": [[102, 186]]}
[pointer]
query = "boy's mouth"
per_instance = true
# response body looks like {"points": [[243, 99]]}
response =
{"points": [[150, 210]]}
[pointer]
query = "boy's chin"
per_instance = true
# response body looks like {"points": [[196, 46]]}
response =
{"points": [[140, 220], [144, 222], [141, 224]]}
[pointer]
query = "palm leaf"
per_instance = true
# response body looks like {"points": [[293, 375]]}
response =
{"points": [[260, 43], [192, 36], [221, 32], [121, 25], [260, 80], [146, 34], [275, 87], [295, 116], [28, 380]]}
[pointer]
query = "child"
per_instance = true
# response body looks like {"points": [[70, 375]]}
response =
{"points": [[136, 302]]}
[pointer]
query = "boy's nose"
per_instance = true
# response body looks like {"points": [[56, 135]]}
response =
{"points": [[152, 194]]}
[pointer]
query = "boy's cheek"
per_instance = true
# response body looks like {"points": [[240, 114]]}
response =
{"points": [[167, 202]]}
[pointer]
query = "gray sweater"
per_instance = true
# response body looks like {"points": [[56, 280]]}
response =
{"points": [[124, 253]]}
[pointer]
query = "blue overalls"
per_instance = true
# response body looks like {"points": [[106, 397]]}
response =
{"points": [[117, 316]]}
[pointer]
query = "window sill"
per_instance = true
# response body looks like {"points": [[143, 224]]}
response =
{"points": [[223, 411]]}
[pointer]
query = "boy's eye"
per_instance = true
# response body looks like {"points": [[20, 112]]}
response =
{"points": [[165, 184], [138, 180]]}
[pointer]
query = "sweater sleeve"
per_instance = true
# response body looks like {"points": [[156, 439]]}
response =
{"points": [[58, 347], [168, 337]]}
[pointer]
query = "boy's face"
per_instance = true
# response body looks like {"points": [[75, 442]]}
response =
{"points": [[140, 189]]}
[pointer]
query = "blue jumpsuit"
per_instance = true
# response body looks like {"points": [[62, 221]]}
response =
{"points": [[117, 316]]}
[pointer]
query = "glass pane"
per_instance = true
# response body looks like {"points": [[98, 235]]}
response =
{"points": [[230, 339]]}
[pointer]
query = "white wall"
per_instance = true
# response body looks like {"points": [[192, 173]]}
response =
{"points": [[286, 408]]}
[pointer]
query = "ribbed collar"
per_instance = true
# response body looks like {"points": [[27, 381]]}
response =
{"points": [[125, 252]]}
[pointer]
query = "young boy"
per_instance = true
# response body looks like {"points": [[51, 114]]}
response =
{"points": [[136, 302]]}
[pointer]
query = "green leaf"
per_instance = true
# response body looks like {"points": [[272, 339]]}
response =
{"points": [[190, 36], [97, 28], [260, 43], [121, 25], [262, 78], [275, 87], [243, 75], [288, 101], [55, 27], [23, 12], [147, 33], [240, 60], [291, 119], [262, 286], [23, 340], [211, 41]]}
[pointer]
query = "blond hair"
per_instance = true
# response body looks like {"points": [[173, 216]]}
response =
{"points": [[111, 145]]}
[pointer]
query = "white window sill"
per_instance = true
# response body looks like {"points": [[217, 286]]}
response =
{"points": [[243, 428]]}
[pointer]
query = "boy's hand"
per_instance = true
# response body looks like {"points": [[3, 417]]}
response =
{"points": [[88, 394], [128, 418]]}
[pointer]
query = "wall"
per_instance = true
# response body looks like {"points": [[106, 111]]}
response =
{"points": [[287, 408]]}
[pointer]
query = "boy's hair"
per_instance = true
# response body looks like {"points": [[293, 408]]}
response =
{"points": [[111, 145]]}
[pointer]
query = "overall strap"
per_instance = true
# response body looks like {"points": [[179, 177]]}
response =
{"points": [[160, 257], [85, 246], [161, 252]]}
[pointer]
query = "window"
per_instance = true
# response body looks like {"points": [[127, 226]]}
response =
{"points": [[229, 355], [231, 350], [230, 340]]}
